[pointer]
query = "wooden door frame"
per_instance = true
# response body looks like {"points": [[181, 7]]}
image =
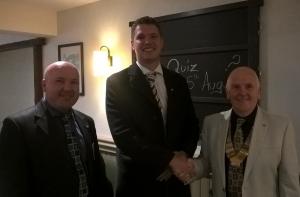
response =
{"points": [[37, 46]]}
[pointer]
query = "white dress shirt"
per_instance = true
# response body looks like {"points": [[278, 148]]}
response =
{"points": [[160, 87]]}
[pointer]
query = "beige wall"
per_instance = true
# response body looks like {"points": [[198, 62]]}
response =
{"points": [[26, 18]]}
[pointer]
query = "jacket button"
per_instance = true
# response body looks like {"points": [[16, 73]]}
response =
{"points": [[224, 189]]}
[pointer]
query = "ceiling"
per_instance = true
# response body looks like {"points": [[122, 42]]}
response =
{"points": [[56, 5]]}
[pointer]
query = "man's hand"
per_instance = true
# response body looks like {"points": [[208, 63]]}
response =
{"points": [[182, 167]]}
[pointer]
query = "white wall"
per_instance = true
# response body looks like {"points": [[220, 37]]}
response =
{"points": [[16, 81], [106, 22], [280, 59]]}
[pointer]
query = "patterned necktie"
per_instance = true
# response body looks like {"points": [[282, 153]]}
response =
{"points": [[74, 149], [151, 79], [238, 138], [236, 174]]}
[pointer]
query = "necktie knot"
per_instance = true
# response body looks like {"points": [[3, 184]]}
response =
{"points": [[151, 79], [66, 117], [239, 122], [151, 76]]}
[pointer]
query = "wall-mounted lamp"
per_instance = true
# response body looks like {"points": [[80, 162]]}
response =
{"points": [[109, 57], [102, 61]]}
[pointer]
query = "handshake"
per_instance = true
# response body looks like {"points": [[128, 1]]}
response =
{"points": [[182, 167]]}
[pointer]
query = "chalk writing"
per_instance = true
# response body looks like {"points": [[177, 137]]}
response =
{"points": [[175, 65], [205, 75], [213, 87], [191, 71], [236, 59]]}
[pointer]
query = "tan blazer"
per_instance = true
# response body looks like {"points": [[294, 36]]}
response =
{"points": [[272, 168]]}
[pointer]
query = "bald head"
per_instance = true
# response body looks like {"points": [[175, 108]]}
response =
{"points": [[243, 90], [57, 65], [61, 85], [241, 71]]}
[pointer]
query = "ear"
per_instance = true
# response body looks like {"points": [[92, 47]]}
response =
{"points": [[227, 93], [44, 85], [162, 43], [259, 93], [132, 45]]}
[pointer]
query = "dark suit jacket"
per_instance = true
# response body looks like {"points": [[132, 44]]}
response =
{"points": [[35, 162], [145, 147]]}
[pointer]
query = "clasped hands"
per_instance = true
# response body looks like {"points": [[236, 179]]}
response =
{"points": [[183, 167]]}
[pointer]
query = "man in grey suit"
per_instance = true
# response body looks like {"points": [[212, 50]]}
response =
{"points": [[50, 149], [249, 151], [152, 120]]}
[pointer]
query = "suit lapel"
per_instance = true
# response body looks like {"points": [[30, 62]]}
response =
{"points": [[223, 130], [259, 132], [42, 120], [171, 104], [139, 83], [82, 123], [41, 117], [85, 129]]}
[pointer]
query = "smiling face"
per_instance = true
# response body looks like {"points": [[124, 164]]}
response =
{"points": [[61, 85], [243, 90], [147, 44]]}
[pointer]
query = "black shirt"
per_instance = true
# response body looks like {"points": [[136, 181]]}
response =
{"points": [[58, 114], [247, 125], [246, 128]]}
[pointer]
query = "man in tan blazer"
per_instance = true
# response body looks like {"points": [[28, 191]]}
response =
{"points": [[265, 163]]}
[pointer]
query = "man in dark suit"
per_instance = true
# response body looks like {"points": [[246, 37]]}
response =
{"points": [[152, 120], [39, 158]]}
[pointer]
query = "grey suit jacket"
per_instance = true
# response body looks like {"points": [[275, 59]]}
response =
{"points": [[272, 164]]}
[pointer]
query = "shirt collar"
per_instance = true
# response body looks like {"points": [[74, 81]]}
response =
{"points": [[53, 112], [145, 70], [249, 120]]}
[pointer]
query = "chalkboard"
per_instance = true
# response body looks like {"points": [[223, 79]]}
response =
{"points": [[211, 27], [204, 44], [205, 73]]}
